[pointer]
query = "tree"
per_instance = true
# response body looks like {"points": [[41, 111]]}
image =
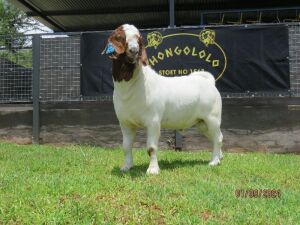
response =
{"points": [[13, 24]]}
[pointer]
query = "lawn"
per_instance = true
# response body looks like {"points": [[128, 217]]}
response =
{"points": [[83, 185]]}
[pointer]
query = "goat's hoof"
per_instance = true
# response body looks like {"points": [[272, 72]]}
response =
{"points": [[126, 168], [153, 170], [214, 162], [221, 156]]}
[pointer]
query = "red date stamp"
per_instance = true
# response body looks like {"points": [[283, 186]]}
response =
{"points": [[258, 193]]}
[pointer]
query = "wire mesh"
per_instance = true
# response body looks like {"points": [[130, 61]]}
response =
{"points": [[294, 58], [15, 69], [60, 68]]}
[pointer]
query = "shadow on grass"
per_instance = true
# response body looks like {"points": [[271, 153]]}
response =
{"points": [[140, 170]]}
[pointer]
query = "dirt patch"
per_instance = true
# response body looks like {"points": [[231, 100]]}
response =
{"points": [[277, 141], [18, 135]]}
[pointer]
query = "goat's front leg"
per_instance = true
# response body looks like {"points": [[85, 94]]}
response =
{"points": [[128, 139], [153, 133]]}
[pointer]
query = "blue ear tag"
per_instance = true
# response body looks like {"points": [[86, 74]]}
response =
{"points": [[110, 49]]}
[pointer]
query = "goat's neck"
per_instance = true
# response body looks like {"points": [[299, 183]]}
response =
{"points": [[126, 89]]}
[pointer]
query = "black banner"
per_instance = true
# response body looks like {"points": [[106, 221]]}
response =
{"points": [[242, 58]]}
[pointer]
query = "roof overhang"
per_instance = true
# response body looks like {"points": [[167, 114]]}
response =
{"points": [[85, 15]]}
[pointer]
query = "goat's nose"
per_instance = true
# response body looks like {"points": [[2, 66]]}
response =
{"points": [[133, 50]]}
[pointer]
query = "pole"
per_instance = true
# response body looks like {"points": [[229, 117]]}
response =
{"points": [[178, 137], [36, 89], [172, 13]]}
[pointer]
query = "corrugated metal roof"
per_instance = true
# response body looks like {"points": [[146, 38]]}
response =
{"points": [[107, 22], [70, 15]]}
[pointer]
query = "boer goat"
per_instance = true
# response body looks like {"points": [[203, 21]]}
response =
{"points": [[144, 99]]}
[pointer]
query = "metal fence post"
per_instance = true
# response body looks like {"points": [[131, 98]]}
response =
{"points": [[36, 89], [201, 20], [172, 13], [178, 137], [178, 141]]}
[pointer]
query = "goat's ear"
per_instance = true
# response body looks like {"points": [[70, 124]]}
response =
{"points": [[104, 50], [109, 50], [142, 52], [118, 46], [118, 41]]}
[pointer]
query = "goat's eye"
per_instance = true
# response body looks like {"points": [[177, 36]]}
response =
{"points": [[119, 38]]}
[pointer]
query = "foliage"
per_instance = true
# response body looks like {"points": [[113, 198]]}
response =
{"points": [[83, 185], [13, 24], [14, 45]]}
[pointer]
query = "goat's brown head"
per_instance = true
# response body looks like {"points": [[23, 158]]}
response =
{"points": [[125, 47]]}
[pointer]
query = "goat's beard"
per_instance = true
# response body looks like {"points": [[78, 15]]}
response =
{"points": [[123, 68], [131, 59], [124, 56]]}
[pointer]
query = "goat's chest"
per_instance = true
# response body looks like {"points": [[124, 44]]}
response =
{"points": [[131, 111]]}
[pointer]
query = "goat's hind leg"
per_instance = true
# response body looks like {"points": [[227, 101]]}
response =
{"points": [[211, 129], [217, 154], [128, 139]]}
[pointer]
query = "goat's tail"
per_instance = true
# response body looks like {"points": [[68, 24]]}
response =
{"points": [[206, 75]]}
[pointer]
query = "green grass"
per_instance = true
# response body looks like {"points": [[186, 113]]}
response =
{"points": [[83, 185]]}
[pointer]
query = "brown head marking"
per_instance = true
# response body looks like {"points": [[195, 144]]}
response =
{"points": [[122, 67], [118, 40], [142, 52]]}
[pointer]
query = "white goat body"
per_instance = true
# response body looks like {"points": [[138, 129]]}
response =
{"points": [[144, 99], [176, 103]]}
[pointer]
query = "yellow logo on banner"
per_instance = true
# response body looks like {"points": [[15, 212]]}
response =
{"points": [[154, 39], [206, 37]]}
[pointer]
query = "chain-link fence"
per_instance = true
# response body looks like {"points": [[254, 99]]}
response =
{"points": [[59, 69]]}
